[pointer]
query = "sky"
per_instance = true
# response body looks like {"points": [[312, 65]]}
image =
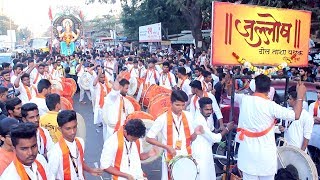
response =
{"points": [[34, 13]]}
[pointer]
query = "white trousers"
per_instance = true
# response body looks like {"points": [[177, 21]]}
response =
{"points": [[82, 91], [252, 177]]}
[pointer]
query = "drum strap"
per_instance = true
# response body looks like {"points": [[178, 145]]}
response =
{"points": [[164, 80], [66, 156], [244, 132], [154, 75], [121, 108], [170, 132], [119, 152], [28, 91], [22, 172], [43, 137], [315, 109]]}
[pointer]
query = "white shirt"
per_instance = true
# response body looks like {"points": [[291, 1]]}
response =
{"points": [[202, 147], [215, 106], [151, 78], [134, 72], [40, 141], [160, 126], [10, 173], [299, 129], [35, 78], [55, 159], [41, 103], [109, 72], [13, 78], [185, 87], [111, 110], [315, 136], [109, 152], [258, 156], [23, 93], [166, 82], [215, 79]]}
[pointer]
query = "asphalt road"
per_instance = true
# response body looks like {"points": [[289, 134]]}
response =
{"points": [[94, 144]]}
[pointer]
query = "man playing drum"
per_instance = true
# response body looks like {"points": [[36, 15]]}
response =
{"points": [[257, 155], [122, 152], [116, 107], [202, 146], [175, 126]]}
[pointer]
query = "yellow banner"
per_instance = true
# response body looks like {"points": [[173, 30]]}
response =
{"points": [[260, 35]]}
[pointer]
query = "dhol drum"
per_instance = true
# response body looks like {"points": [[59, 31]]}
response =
{"points": [[84, 81], [159, 104], [135, 103], [151, 92], [291, 155], [148, 121], [81, 129], [183, 167], [65, 104], [56, 85]]}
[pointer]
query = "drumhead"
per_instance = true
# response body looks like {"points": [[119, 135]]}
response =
{"points": [[85, 80], [183, 168], [133, 86], [56, 84], [299, 159], [147, 147]]}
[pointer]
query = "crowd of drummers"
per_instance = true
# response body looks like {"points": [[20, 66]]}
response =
{"points": [[168, 100]]}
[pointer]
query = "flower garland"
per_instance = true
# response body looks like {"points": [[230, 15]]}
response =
{"points": [[256, 69]]}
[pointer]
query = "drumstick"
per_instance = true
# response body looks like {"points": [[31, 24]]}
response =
{"points": [[96, 165]]}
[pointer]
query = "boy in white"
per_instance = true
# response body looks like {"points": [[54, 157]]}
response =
{"points": [[167, 79], [66, 158], [122, 152], [256, 129], [44, 88], [31, 165], [151, 74], [183, 84], [298, 132], [176, 129], [30, 113], [27, 91]]}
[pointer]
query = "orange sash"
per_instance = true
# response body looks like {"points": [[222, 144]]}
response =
{"points": [[182, 83], [102, 95], [170, 132], [244, 132], [315, 109], [121, 107], [164, 81], [205, 94], [43, 137], [22, 172], [40, 96], [29, 92], [154, 75], [66, 156], [119, 153], [36, 79]]}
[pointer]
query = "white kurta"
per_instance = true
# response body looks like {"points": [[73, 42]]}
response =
{"points": [[97, 113], [41, 103], [185, 87], [109, 152], [160, 126], [257, 156], [23, 93], [165, 81], [40, 141], [315, 136], [202, 148], [299, 129], [111, 111], [134, 72], [35, 78], [215, 106], [152, 77], [55, 159], [11, 172]]}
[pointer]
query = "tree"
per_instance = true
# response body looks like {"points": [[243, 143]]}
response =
{"points": [[102, 26], [143, 12], [5, 24], [23, 34]]}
